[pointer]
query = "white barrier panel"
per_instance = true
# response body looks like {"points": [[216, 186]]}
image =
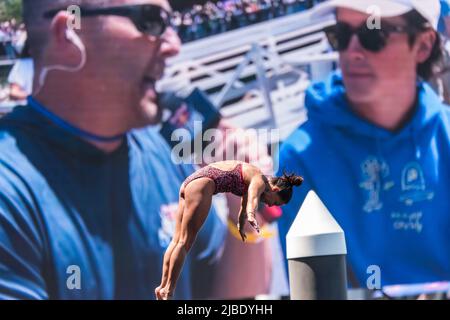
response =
{"points": [[249, 72]]}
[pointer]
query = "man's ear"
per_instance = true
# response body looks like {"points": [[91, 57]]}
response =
{"points": [[59, 28], [276, 189], [425, 42]]}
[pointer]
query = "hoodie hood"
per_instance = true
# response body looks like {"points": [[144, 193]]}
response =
{"points": [[326, 102]]}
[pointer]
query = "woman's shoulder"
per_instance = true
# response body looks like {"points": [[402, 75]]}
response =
{"points": [[250, 167], [251, 172]]}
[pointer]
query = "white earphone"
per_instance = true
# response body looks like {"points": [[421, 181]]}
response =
{"points": [[75, 39]]}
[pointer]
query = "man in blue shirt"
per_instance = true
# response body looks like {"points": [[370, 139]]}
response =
{"points": [[88, 192], [376, 146]]}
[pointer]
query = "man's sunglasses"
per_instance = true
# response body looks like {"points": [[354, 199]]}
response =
{"points": [[149, 19], [374, 40]]}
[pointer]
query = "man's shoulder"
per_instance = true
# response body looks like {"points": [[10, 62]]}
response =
{"points": [[154, 147], [9, 133], [150, 143], [15, 164], [8, 142], [149, 139], [304, 138], [16, 176]]}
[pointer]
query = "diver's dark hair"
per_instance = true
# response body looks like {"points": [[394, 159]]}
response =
{"points": [[434, 64], [285, 183]]}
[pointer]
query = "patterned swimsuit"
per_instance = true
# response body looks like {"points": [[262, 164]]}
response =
{"points": [[226, 181]]}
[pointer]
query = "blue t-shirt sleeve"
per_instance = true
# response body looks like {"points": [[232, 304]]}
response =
{"points": [[20, 253]]}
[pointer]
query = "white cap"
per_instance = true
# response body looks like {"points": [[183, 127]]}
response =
{"points": [[314, 231], [429, 9]]}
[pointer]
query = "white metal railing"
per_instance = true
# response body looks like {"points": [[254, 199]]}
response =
{"points": [[7, 62], [207, 63], [243, 70]]}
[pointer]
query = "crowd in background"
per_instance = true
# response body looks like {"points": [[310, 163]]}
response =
{"points": [[216, 17], [196, 22], [12, 38], [191, 24]]}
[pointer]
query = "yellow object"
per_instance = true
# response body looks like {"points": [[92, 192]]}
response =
{"points": [[265, 233]]}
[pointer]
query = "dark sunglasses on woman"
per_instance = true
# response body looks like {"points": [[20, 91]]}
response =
{"points": [[374, 40], [149, 19]]}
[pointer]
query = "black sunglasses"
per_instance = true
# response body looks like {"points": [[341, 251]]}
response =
{"points": [[374, 40], [149, 19]]}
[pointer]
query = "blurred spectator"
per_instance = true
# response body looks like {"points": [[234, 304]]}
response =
{"points": [[100, 186], [376, 145], [12, 38], [88, 192], [20, 78], [20, 38]]}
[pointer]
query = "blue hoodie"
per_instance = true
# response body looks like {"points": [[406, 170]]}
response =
{"points": [[445, 12], [69, 211], [388, 191]]}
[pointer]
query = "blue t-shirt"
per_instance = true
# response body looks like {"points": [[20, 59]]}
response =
{"points": [[445, 12], [70, 212], [389, 191]]}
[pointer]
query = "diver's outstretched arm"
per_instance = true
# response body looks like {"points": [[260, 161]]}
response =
{"points": [[255, 190], [242, 218]]}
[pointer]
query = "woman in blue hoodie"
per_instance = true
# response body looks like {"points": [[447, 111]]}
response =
{"points": [[376, 146]]}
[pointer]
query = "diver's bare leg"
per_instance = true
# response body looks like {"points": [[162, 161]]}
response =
{"points": [[196, 208], [170, 249]]}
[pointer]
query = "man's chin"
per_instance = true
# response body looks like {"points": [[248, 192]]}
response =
{"points": [[359, 93], [149, 109], [151, 114], [359, 99]]}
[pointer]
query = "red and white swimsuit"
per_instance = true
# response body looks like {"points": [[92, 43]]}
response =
{"points": [[226, 181]]}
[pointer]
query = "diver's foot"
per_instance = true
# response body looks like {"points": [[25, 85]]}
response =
{"points": [[158, 293], [165, 294]]}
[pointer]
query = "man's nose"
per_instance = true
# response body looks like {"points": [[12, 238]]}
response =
{"points": [[355, 49], [170, 43]]}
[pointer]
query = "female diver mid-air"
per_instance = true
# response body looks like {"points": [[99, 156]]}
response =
{"points": [[196, 192]]}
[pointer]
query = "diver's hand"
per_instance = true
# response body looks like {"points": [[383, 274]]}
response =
{"points": [[241, 224], [252, 220]]}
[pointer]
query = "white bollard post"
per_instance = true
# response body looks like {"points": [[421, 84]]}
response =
{"points": [[316, 254]]}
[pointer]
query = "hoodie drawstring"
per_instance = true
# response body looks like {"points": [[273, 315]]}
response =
{"points": [[417, 152]]}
